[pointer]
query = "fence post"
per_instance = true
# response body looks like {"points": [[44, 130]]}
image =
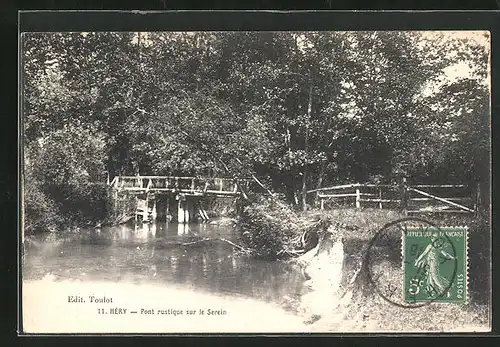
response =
{"points": [[380, 198], [322, 203], [404, 196], [358, 197]]}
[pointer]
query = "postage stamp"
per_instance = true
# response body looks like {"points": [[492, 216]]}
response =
{"points": [[435, 265]]}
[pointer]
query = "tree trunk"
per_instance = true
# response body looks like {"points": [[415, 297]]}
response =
{"points": [[319, 182], [306, 144], [304, 190], [322, 166], [295, 197], [288, 143]]}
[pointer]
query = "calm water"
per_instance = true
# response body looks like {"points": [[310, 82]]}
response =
{"points": [[145, 254]]}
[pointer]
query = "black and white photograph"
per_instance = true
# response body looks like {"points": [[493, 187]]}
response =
{"points": [[255, 181]]}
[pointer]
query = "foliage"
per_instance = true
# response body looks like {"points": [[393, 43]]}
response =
{"points": [[62, 175], [298, 110], [39, 210], [268, 226]]}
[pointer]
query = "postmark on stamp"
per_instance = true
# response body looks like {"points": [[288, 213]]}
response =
{"points": [[413, 262], [435, 264]]}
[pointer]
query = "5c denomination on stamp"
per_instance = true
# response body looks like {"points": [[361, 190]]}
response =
{"points": [[412, 262], [435, 264]]}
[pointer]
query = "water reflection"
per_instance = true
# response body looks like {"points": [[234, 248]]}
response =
{"points": [[182, 229], [152, 253], [145, 231]]}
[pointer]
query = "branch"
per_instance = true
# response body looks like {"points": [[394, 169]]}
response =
{"points": [[256, 180], [209, 240], [210, 99], [214, 155], [208, 150]]}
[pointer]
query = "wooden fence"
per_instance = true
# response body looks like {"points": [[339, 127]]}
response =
{"points": [[410, 199]]}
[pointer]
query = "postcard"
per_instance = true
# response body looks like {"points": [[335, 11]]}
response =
{"points": [[181, 182]]}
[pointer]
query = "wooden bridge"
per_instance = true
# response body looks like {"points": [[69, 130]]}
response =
{"points": [[187, 192]]}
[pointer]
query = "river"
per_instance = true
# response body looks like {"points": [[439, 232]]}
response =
{"points": [[142, 254]]}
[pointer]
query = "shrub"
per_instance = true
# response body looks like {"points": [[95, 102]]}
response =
{"points": [[40, 212], [268, 226], [85, 203], [61, 169]]}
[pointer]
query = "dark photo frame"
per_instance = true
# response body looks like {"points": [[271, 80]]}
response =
{"points": [[222, 22]]}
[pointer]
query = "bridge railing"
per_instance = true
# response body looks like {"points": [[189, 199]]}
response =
{"points": [[176, 184]]}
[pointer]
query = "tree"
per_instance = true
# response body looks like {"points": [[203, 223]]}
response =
{"points": [[298, 110], [61, 171]]}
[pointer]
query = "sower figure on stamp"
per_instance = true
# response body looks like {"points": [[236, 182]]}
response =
{"points": [[431, 259]]}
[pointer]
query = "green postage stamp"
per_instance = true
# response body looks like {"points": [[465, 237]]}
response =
{"points": [[435, 265]]}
